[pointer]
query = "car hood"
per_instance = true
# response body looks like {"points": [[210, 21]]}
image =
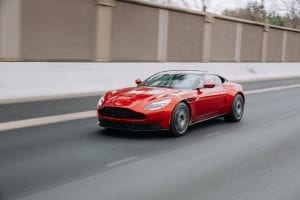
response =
{"points": [[130, 97]]}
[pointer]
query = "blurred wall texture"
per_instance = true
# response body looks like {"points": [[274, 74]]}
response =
{"points": [[134, 30]]}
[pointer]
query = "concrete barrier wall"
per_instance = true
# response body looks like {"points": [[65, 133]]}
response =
{"points": [[10, 11], [46, 79], [136, 30], [275, 45], [251, 45], [292, 47], [58, 29], [185, 37], [223, 41]]}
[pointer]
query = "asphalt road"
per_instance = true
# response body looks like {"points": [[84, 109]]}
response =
{"points": [[257, 158]]}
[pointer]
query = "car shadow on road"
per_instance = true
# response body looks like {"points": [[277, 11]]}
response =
{"points": [[215, 122], [199, 128], [134, 134]]}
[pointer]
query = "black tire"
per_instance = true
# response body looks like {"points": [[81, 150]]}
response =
{"points": [[237, 109], [180, 120]]}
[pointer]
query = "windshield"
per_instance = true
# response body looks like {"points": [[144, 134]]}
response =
{"points": [[172, 80]]}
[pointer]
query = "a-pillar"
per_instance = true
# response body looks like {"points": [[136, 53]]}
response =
{"points": [[104, 29]]}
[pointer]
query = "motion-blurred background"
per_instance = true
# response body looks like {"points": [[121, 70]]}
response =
{"points": [[59, 56], [150, 30]]}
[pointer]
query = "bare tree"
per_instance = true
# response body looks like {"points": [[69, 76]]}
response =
{"points": [[204, 6], [197, 4], [181, 3], [292, 7], [254, 12], [286, 14]]}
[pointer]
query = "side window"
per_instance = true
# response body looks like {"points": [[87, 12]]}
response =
{"points": [[201, 81], [213, 78], [218, 81]]}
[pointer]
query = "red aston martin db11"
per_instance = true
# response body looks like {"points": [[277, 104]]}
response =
{"points": [[171, 100]]}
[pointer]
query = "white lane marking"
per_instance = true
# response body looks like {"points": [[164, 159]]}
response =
{"points": [[212, 134], [88, 114], [121, 161], [271, 89], [50, 97], [46, 120]]}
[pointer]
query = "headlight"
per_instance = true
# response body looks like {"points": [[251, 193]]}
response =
{"points": [[158, 105], [101, 100]]}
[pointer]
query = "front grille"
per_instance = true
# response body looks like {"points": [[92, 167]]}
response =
{"points": [[129, 126], [121, 113]]}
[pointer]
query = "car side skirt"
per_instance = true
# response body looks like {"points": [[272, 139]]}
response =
{"points": [[205, 119]]}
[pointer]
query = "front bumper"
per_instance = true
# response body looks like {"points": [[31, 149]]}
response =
{"points": [[129, 126], [158, 120]]}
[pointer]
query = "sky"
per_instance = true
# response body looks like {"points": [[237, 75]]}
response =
{"points": [[217, 6]]}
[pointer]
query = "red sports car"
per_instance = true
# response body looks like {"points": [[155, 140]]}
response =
{"points": [[171, 100]]}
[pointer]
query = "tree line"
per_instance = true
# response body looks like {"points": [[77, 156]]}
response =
{"points": [[284, 13]]}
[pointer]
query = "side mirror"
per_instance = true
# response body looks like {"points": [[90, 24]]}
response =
{"points": [[209, 85], [199, 91], [138, 82]]}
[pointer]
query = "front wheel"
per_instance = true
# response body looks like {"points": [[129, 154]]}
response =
{"points": [[237, 109], [180, 120]]}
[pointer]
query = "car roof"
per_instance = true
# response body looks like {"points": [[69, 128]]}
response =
{"points": [[185, 71], [200, 72]]}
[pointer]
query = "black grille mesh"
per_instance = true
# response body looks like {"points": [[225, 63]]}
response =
{"points": [[121, 113]]}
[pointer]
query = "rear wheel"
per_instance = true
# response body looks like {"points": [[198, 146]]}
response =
{"points": [[180, 120], [237, 109]]}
